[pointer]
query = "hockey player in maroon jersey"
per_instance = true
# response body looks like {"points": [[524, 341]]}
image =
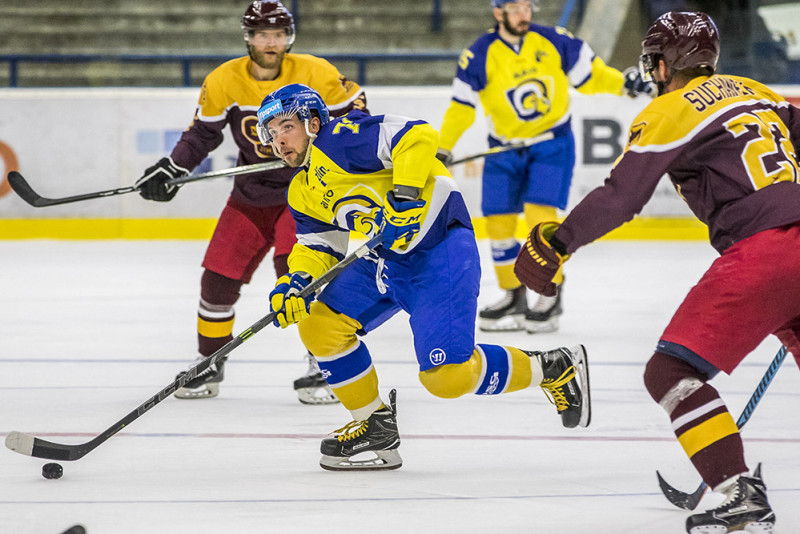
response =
{"points": [[729, 145], [256, 217]]}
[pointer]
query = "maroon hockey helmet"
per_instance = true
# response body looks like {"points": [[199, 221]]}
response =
{"points": [[261, 15], [683, 39]]}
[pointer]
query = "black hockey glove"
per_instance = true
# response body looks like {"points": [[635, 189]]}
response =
{"points": [[153, 184], [634, 84]]}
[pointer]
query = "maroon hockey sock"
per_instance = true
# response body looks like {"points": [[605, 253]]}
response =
{"points": [[215, 314], [700, 419]]}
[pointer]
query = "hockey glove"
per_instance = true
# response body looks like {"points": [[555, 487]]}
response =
{"points": [[399, 221], [284, 299], [538, 262], [634, 84], [153, 184], [445, 156]]}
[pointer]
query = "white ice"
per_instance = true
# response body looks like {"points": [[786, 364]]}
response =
{"points": [[90, 330]]}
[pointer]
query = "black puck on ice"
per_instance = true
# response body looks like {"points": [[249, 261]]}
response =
{"points": [[77, 529], [52, 470]]}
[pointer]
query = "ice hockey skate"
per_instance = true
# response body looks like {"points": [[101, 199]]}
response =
{"points": [[368, 445], [566, 383], [311, 388], [745, 509], [206, 384], [543, 317], [507, 315]]}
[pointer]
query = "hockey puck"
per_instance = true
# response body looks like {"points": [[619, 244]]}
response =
{"points": [[52, 470], [77, 529]]}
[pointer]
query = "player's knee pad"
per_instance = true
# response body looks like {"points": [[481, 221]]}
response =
{"points": [[453, 380], [670, 380], [326, 332]]}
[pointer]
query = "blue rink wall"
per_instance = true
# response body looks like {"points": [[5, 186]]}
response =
{"points": [[73, 141]]}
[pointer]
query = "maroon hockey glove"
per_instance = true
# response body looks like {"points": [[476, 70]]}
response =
{"points": [[538, 262]]}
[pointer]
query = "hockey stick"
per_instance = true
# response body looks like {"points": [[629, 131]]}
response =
{"points": [[689, 501], [32, 446], [504, 148], [26, 192]]}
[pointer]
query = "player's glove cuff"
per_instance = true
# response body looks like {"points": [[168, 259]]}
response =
{"points": [[538, 261]]}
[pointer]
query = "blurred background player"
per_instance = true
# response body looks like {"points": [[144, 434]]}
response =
{"points": [[256, 217], [380, 174], [729, 145], [521, 73]]}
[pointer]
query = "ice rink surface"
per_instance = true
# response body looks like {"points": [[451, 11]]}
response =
{"points": [[90, 330]]}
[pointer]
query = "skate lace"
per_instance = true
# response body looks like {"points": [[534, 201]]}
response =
{"points": [[552, 388], [351, 430], [544, 304]]}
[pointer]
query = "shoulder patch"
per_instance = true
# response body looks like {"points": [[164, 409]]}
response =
{"points": [[636, 132]]}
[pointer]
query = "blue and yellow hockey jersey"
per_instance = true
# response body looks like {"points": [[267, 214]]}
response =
{"points": [[354, 162], [524, 89]]}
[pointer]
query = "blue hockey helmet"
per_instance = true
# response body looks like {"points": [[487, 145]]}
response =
{"points": [[500, 3], [289, 100]]}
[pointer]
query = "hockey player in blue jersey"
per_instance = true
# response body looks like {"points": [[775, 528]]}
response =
{"points": [[379, 174], [521, 73]]}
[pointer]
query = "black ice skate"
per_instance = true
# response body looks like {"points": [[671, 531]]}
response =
{"points": [[506, 315], [745, 509], [566, 383], [543, 317], [312, 388], [206, 384], [376, 437]]}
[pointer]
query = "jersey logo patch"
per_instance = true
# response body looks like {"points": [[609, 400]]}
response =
{"points": [[530, 99]]}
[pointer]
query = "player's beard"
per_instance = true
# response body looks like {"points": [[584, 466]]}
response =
{"points": [[521, 29], [266, 60]]}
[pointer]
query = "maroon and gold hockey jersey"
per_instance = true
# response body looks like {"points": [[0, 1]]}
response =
{"points": [[231, 96], [728, 144]]}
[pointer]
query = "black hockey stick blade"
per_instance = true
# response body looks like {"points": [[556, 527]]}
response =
{"points": [[22, 188], [28, 445], [687, 501]]}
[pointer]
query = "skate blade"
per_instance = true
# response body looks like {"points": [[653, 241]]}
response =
{"points": [[760, 528], [542, 327], [509, 323], [316, 396], [581, 363], [206, 391], [377, 461], [709, 529]]}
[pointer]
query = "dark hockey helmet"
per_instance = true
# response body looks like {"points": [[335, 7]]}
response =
{"points": [[289, 100], [262, 15], [683, 39]]}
